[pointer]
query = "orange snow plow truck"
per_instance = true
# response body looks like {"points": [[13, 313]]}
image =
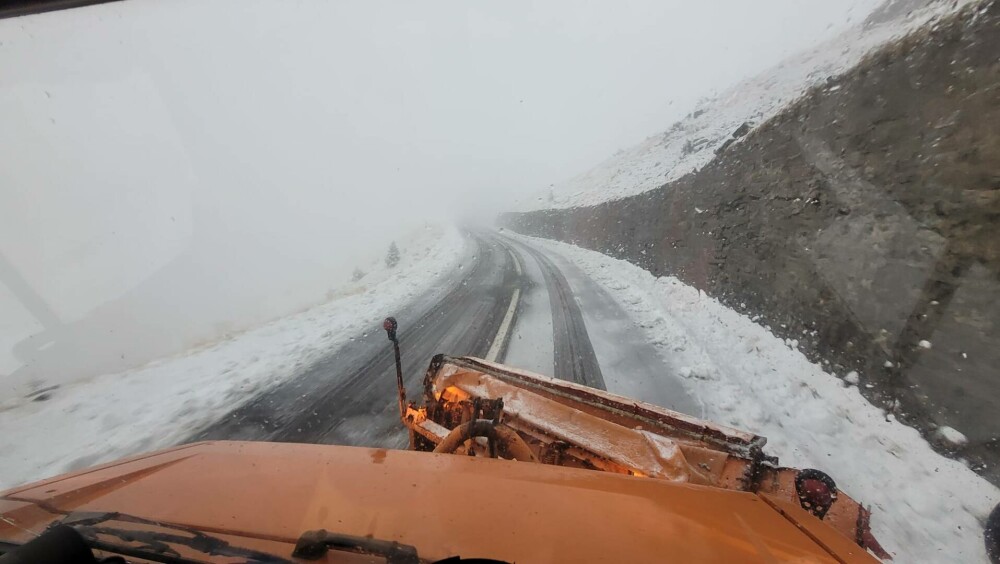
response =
{"points": [[503, 466]]}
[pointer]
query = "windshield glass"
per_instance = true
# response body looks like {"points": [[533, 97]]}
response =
{"points": [[780, 219]]}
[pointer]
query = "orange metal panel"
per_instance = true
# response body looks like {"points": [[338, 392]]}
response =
{"points": [[442, 504], [820, 532]]}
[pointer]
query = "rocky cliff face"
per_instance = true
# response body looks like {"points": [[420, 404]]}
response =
{"points": [[863, 221]]}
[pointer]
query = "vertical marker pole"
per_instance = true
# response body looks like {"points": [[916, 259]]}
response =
{"points": [[390, 326]]}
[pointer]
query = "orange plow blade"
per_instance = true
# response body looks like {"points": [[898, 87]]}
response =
{"points": [[473, 406]]}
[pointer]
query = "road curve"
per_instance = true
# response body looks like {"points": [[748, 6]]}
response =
{"points": [[349, 397]]}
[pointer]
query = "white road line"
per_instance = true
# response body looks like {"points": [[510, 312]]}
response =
{"points": [[517, 263], [505, 326]]}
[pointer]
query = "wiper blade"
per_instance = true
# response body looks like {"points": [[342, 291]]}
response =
{"points": [[155, 545], [312, 545]]}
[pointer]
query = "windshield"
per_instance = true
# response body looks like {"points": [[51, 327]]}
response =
{"points": [[778, 217]]}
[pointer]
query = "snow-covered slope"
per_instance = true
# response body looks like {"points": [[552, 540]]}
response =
{"points": [[926, 507], [691, 143], [157, 405]]}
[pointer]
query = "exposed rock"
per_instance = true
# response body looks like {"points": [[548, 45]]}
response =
{"points": [[742, 130]]}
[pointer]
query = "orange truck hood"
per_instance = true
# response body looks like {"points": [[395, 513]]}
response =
{"points": [[265, 495]]}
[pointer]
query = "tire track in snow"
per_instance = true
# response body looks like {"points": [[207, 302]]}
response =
{"points": [[574, 356]]}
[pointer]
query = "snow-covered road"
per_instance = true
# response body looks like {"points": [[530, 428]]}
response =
{"points": [[629, 364], [348, 397]]}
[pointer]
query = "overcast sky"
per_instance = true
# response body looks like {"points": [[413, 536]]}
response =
{"points": [[285, 140]]}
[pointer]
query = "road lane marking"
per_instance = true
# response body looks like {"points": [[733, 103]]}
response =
{"points": [[505, 327], [517, 263]]}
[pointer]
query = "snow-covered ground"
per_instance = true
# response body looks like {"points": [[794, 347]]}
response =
{"points": [[161, 403], [926, 508], [691, 143]]}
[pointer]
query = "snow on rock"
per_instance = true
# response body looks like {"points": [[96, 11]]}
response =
{"points": [[852, 378], [725, 119], [163, 402], [926, 507], [951, 436]]}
